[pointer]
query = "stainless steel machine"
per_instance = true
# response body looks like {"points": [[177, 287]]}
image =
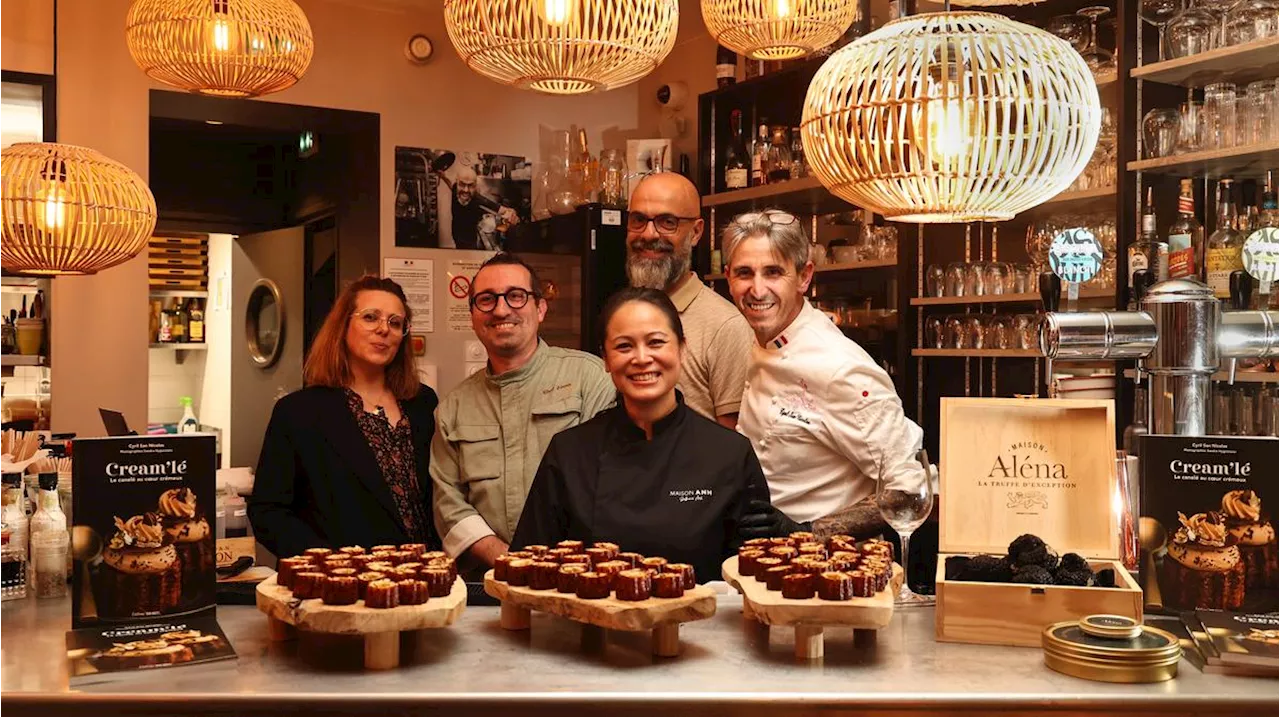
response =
{"points": [[1180, 337]]}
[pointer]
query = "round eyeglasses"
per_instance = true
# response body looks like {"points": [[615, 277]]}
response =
{"points": [[371, 319], [487, 301]]}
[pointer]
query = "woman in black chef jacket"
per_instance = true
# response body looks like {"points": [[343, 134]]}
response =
{"points": [[649, 474]]}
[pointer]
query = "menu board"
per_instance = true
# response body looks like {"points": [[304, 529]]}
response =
{"points": [[1208, 541], [143, 542]]}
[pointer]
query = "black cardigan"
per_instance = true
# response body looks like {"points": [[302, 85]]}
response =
{"points": [[318, 483]]}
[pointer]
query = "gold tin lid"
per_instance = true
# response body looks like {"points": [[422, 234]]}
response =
{"points": [[1111, 626], [1075, 649]]}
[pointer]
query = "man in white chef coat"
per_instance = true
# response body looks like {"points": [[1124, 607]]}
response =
{"points": [[823, 417]]}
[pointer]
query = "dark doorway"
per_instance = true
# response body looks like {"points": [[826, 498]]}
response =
{"points": [[320, 256]]}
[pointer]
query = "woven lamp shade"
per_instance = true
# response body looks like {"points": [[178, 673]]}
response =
{"points": [[70, 210], [777, 29], [224, 48], [951, 117], [563, 47]]}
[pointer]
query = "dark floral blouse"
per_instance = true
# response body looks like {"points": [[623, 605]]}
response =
{"points": [[393, 448]]}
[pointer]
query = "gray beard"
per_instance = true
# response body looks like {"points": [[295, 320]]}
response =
{"points": [[658, 274]]}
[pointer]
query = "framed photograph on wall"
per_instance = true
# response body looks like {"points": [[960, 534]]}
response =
{"points": [[460, 200]]}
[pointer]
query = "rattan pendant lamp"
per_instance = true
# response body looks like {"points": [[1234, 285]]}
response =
{"points": [[954, 116], [223, 48], [563, 47], [70, 210], [777, 29]]}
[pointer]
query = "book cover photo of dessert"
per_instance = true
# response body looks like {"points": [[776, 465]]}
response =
{"points": [[143, 539], [124, 648], [1206, 531]]}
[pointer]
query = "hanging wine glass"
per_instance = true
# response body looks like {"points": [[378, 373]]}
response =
{"points": [[1072, 28], [1098, 59], [1159, 13]]}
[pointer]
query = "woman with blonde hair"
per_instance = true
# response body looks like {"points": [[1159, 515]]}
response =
{"points": [[344, 460]]}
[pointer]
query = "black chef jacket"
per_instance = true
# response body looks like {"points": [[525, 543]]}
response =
{"points": [[679, 496], [466, 219]]}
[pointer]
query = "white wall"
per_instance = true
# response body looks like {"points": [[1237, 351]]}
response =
{"points": [[215, 389]]}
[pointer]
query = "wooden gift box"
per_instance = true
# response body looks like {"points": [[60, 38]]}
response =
{"points": [[1011, 466]]}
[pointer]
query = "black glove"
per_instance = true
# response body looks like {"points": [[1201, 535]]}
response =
{"points": [[762, 520]]}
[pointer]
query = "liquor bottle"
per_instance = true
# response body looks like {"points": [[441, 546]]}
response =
{"points": [[1148, 252], [1247, 218], [798, 168], [737, 163], [23, 313], [37, 305], [726, 67], [195, 322], [1186, 237], [178, 328], [584, 169], [1269, 215], [758, 150], [777, 160], [1222, 253]]}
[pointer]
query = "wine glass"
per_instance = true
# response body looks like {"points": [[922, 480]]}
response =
{"points": [[1159, 13], [1072, 28], [904, 495], [1098, 59]]}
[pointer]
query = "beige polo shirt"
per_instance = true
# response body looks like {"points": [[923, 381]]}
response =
{"points": [[491, 432], [718, 344]]}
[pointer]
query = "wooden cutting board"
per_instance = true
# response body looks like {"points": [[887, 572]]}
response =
{"points": [[610, 613], [315, 616], [770, 608]]}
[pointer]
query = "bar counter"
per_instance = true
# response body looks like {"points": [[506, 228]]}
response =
{"points": [[728, 666]]}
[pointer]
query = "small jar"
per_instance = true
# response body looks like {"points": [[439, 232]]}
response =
{"points": [[49, 560], [13, 567], [1220, 114]]}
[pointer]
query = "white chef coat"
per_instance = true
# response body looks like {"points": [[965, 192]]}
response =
{"points": [[823, 418]]}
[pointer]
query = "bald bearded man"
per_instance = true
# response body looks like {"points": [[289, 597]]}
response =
{"points": [[664, 223]]}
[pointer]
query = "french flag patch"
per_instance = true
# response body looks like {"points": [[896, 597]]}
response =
{"points": [[780, 342]]}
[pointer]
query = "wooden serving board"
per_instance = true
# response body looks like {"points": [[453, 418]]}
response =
{"points": [[661, 615], [381, 628], [810, 615]]}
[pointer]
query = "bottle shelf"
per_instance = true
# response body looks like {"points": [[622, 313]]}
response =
{"points": [[178, 294], [1257, 60], [1249, 161], [977, 353], [801, 196], [1097, 199], [182, 347], [1241, 376], [833, 268], [1004, 298]]}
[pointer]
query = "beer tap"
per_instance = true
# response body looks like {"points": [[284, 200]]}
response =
{"points": [[1179, 336]]}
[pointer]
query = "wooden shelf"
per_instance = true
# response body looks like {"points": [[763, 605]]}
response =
{"points": [[1105, 81], [1099, 199], [178, 294], [23, 360], [1005, 298], [1250, 161], [833, 268], [1241, 376], [1241, 64], [977, 353], [802, 196], [182, 347]]}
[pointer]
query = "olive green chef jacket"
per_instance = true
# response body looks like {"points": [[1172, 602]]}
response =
{"points": [[491, 432]]}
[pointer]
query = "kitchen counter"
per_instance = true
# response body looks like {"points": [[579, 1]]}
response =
{"points": [[727, 666]]}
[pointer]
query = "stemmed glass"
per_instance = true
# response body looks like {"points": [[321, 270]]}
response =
{"points": [[1159, 13], [1098, 59], [1072, 28], [905, 500]]}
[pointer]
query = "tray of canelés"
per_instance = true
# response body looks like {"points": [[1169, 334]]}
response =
{"points": [[378, 593], [600, 585], [804, 582]]}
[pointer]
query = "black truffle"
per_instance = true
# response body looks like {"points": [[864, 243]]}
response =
{"points": [[1041, 557], [988, 569], [1073, 561], [1067, 576], [1033, 575], [957, 565], [1024, 543], [1105, 578]]}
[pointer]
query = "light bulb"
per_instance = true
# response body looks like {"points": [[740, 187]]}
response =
{"points": [[557, 13], [780, 9], [51, 209], [221, 36], [946, 127]]}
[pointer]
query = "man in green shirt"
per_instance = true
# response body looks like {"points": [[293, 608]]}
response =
{"points": [[492, 430]]}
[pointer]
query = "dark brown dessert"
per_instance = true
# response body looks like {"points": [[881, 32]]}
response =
{"points": [[812, 566], [611, 547], [761, 543], [593, 586], [1202, 569], [611, 567], [415, 548], [367, 577], [448, 564], [361, 562], [380, 566], [655, 564], [764, 564], [633, 585], [798, 586], [567, 577], [599, 555], [786, 552], [438, 582], [685, 571], [632, 558], [412, 592], [332, 563], [430, 555], [558, 554], [773, 576], [863, 584], [747, 558], [521, 554], [384, 548], [143, 653], [352, 550], [574, 545], [318, 553], [801, 536], [579, 558], [340, 590], [287, 568], [543, 575], [815, 549], [308, 585], [500, 566], [518, 571], [141, 572], [403, 572], [537, 550], [835, 586], [342, 573], [381, 594], [668, 585]]}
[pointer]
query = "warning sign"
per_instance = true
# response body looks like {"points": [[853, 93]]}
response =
{"points": [[459, 286], [460, 272]]}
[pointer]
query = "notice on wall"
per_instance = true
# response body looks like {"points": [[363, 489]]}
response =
{"points": [[415, 277], [458, 308]]}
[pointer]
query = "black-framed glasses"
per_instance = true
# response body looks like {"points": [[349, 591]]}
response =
{"points": [[371, 319], [516, 298], [664, 223], [773, 216]]}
